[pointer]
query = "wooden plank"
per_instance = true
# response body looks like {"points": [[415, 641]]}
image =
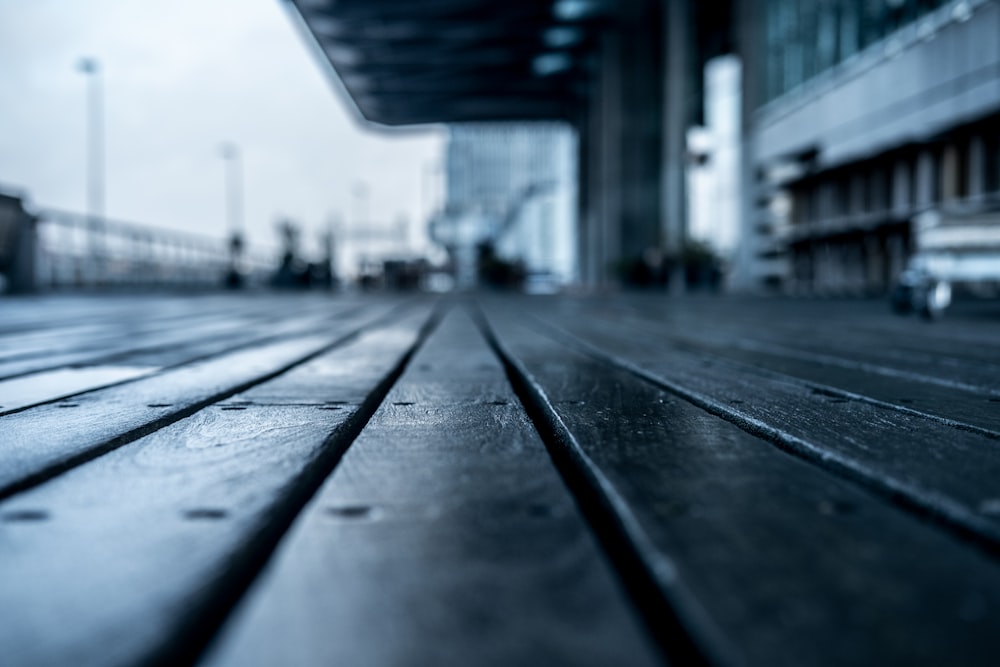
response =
{"points": [[444, 537], [104, 328], [897, 454], [135, 557], [34, 343], [150, 354], [857, 335], [47, 439], [136, 342], [953, 401], [943, 387], [39, 313], [168, 353], [31, 390], [790, 565]]}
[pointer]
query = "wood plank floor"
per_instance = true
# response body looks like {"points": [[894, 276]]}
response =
{"points": [[295, 479]]}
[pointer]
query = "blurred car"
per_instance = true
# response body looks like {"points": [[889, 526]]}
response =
{"points": [[953, 249]]}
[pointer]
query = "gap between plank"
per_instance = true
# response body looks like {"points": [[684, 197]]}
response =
{"points": [[263, 340], [54, 470], [675, 620], [925, 504], [689, 346], [201, 625], [685, 344]]}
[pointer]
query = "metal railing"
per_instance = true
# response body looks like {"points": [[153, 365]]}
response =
{"points": [[74, 250]]}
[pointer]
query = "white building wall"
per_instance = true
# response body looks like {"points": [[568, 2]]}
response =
{"points": [[714, 187]]}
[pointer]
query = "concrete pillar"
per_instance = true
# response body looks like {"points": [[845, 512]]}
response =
{"points": [[749, 47], [950, 173], [598, 166], [994, 149], [829, 207], [901, 195], [678, 66], [584, 220], [896, 251], [879, 189], [582, 128], [976, 168], [857, 190], [621, 182], [609, 176], [874, 265], [804, 269], [925, 179], [823, 273]]}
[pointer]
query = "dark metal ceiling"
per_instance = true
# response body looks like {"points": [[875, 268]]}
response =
{"points": [[421, 61], [409, 62]]}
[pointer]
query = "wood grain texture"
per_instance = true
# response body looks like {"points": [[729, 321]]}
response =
{"points": [[898, 454], [62, 376], [791, 565], [139, 338], [49, 438], [950, 379], [855, 335], [135, 557], [134, 517], [445, 537], [96, 325]]}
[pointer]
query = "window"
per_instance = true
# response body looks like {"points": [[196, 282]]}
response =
{"points": [[803, 38]]}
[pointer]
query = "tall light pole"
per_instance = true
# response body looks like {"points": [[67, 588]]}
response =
{"points": [[95, 157], [361, 196], [355, 235], [234, 186], [234, 210]]}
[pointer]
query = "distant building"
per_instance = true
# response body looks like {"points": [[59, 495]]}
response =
{"points": [[870, 113], [856, 118], [513, 186], [714, 161]]}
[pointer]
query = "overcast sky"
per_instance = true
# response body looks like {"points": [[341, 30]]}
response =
{"points": [[181, 77]]}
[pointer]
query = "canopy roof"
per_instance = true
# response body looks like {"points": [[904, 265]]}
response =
{"points": [[428, 61], [420, 61]]}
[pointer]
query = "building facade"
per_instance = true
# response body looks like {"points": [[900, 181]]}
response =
{"points": [[868, 113]]}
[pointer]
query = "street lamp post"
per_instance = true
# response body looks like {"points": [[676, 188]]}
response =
{"points": [[355, 234], [361, 197], [95, 159], [234, 211]]}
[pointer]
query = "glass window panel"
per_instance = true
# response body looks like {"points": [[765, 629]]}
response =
{"points": [[826, 39], [849, 28], [808, 37], [803, 38]]}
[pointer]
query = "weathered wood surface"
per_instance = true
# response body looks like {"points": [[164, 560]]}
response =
{"points": [[792, 566], [91, 423], [445, 537], [303, 480], [135, 555], [890, 448], [148, 339]]}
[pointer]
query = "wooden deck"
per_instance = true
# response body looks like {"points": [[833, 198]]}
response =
{"points": [[305, 480]]}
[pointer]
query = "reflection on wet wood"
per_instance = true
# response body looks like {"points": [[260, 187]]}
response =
{"points": [[305, 480]]}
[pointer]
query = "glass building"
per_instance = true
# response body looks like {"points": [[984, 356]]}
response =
{"points": [[804, 38]]}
